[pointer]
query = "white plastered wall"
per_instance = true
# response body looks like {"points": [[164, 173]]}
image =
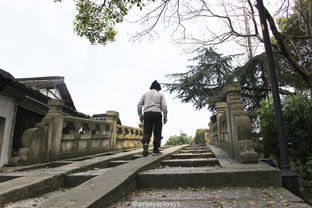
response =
{"points": [[7, 108]]}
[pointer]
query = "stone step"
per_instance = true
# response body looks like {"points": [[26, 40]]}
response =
{"points": [[242, 197], [195, 151], [197, 162], [137, 156], [196, 146], [115, 163], [191, 155], [109, 185], [41, 181], [75, 179], [194, 177]]}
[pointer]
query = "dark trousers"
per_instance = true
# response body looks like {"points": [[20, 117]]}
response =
{"points": [[152, 124]]}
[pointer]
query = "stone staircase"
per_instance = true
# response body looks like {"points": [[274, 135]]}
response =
{"points": [[183, 176], [196, 176], [196, 157], [197, 166]]}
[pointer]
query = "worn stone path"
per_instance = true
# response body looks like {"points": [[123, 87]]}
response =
{"points": [[226, 183], [96, 184], [183, 176], [223, 197], [18, 183]]}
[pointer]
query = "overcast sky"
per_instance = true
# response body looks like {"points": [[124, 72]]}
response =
{"points": [[37, 39]]}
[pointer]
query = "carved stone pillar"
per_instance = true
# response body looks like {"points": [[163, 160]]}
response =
{"points": [[220, 107], [112, 117], [208, 136], [240, 125], [214, 130], [54, 118]]}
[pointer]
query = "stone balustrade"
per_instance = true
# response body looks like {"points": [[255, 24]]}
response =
{"points": [[230, 128], [58, 136], [127, 137], [85, 136]]}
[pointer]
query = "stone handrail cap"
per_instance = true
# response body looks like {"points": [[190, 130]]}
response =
{"points": [[56, 103], [234, 87], [220, 105], [112, 113]]}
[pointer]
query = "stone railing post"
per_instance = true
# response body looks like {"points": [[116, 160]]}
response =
{"points": [[214, 130], [210, 132], [112, 117], [54, 118], [240, 126], [220, 107]]}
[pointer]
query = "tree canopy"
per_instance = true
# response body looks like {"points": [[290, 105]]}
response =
{"points": [[96, 21], [203, 83], [238, 22]]}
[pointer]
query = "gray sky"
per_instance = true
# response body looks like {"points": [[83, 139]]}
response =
{"points": [[37, 39]]}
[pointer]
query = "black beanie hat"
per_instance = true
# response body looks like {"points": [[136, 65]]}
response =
{"points": [[155, 85]]}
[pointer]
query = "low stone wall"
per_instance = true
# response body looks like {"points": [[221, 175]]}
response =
{"points": [[58, 136], [84, 136], [127, 137], [230, 128]]}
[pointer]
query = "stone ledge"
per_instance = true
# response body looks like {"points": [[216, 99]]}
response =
{"points": [[45, 180], [109, 186]]}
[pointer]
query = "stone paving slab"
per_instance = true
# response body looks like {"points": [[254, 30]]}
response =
{"points": [[136, 156], [195, 151], [29, 186], [94, 172], [76, 179], [115, 163], [36, 201], [206, 177], [191, 155], [197, 162], [197, 147], [225, 197]]}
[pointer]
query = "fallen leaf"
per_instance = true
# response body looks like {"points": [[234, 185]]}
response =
{"points": [[252, 203], [217, 197], [270, 203]]}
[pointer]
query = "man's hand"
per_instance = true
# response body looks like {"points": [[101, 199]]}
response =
{"points": [[142, 119], [165, 120]]}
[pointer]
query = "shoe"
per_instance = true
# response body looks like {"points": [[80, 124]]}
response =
{"points": [[156, 152], [145, 150]]}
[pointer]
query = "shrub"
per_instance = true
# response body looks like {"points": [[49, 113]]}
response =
{"points": [[306, 173], [183, 138], [297, 115], [297, 112], [268, 127], [199, 136]]}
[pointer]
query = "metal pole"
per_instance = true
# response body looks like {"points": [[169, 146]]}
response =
{"points": [[289, 178]]}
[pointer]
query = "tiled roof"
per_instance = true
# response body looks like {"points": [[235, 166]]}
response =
{"points": [[42, 82], [7, 79], [50, 82]]}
